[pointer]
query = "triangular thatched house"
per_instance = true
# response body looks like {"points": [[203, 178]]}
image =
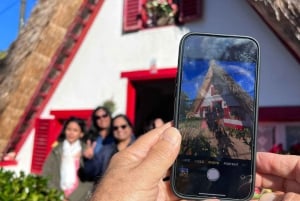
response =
{"points": [[220, 90], [75, 55]]}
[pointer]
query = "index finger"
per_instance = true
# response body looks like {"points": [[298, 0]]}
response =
{"points": [[278, 172], [276, 183], [285, 166]]}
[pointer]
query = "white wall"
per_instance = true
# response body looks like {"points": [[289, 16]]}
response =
{"points": [[24, 156], [94, 75]]}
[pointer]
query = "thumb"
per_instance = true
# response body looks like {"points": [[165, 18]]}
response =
{"points": [[162, 154]]}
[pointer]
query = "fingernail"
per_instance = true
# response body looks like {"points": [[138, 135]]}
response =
{"points": [[171, 135]]}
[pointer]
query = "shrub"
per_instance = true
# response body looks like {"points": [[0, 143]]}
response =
{"points": [[22, 187]]}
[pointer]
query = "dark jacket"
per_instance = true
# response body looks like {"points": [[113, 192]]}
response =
{"points": [[51, 170], [94, 168]]}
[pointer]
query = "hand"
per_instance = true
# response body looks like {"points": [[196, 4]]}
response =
{"points": [[281, 173], [137, 172], [89, 150]]}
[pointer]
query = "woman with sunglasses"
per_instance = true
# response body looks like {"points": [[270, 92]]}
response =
{"points": [[123, 137], [100, 132]]}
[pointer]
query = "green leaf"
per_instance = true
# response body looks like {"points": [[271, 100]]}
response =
{"points": [[26, 187]]}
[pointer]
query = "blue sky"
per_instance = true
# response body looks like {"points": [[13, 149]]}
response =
{"points": [[194, 72], [9, 20]]}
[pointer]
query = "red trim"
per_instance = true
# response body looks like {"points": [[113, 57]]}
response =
{"points": [[8, 163], [131, 100], [150, 74], [55, 82], [65, 114], [234, 126], [281, 114], [141, 75]]}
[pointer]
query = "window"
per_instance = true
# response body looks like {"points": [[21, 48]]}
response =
{"points": [[46, 131], [141, 14], [266, 137], [272, 135]]}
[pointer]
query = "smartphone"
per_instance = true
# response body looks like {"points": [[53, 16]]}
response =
{"points": [[216, 114]]}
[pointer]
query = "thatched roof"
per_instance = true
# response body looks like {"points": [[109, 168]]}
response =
{"points": [[221, 81], [28, 58], [283, 17]]}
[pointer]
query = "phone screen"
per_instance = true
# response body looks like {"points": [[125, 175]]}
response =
{"points": [[216, 114]]}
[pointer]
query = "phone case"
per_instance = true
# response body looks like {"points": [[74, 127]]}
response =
{"points": [[216, 112]]}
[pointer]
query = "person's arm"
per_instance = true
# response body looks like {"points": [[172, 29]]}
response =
{"points": [[90, 168], [88, 152]]}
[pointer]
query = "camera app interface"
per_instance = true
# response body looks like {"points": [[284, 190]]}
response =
{"points": [[217, 116]]}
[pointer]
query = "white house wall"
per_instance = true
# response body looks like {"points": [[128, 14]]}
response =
{"points": [[24, 156], [105, 53], [94, 74]]}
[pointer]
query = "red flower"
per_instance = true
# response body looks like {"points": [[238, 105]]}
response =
{"points": [[277, 148], [295, 149]]}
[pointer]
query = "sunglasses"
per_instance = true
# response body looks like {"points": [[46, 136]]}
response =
{"points": [[117, 127], [102, 116]]}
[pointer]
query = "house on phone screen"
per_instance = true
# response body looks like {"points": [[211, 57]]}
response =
{"points": [[75, 55], [221, 97]]}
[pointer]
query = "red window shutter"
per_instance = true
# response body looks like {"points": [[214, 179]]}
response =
{"points": [[45, 135], [190, 10], [131, 18]]}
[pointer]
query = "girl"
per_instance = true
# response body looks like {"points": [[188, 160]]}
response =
{"points": [[64, 160]]}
